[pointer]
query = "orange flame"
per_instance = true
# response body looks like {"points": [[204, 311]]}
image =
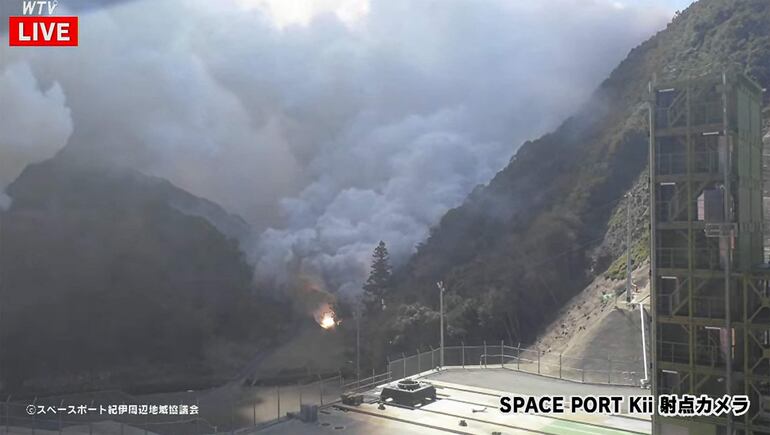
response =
{"points": [[327, 320]]}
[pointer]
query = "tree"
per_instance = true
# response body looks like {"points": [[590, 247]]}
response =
{"points": [[378, 284]]}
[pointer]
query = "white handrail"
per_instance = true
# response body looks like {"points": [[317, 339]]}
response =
{"points": [[644, 343]]}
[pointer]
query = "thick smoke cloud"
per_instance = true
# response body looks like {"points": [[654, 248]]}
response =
{"points": [[331, 127], [34, 122]]}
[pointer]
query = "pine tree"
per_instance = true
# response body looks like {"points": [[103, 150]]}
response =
{"points": [[378, 283]]}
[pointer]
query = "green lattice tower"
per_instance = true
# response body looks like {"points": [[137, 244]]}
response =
{"points": [[707, 240]]}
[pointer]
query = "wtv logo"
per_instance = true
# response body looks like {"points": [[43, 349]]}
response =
{"points": [[40, 27]]}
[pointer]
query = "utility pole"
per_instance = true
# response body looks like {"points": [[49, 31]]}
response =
{"points": [[441, 290], [2, 211], [629, 197], [358, 343]]}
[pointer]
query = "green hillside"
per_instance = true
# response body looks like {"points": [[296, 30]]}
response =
{"points": [[521, 246], [106, 283]]}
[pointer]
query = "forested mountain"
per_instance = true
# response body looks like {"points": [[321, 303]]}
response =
{"points": [[521, 246], [110, 278]]}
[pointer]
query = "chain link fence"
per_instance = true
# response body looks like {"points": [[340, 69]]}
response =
{"points": [[586, 370], [234, 408]]}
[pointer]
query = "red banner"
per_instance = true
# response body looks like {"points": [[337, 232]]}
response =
{"points": [[35, 31]]}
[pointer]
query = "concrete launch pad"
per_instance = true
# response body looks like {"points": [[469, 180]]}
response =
{"points": [[467, 405]]}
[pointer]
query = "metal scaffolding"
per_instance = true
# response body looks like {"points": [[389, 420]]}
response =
{"points": [[709, 288]]}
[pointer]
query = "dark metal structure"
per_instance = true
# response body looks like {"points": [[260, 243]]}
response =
{"points": [[409, 393], [710, 294]]}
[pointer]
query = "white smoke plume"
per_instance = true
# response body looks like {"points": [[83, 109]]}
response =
{"points": [[332, 124], [5, 201], [35, 122]]}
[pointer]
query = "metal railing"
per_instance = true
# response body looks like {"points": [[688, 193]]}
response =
{"points": [[365, 384], [705, 354], [674, 352], [676, 163], [231, 409], [712, 307], [709, 112], [678, 258], [670, 304], [585, 370]]}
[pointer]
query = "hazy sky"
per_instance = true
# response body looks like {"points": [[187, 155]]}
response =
{"points": [[680, 4], [673, 5], [328, 124]]}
